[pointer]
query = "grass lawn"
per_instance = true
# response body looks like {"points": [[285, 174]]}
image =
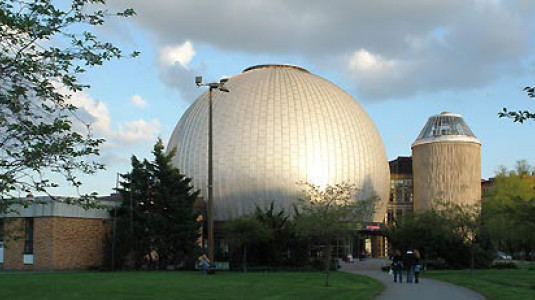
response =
{"points": [[184, 286], [493, 284]]}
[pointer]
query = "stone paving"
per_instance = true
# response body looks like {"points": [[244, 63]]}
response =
{"points": [[426, 289]]}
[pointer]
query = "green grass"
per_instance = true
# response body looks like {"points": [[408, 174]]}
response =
{"points": [[493, 284], [185, 286]]}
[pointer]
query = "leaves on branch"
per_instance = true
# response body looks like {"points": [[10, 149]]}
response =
{"points": [[522, 115], [43, 49]]}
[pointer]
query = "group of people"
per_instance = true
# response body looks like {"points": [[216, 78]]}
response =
{"points": [[411, 262]]}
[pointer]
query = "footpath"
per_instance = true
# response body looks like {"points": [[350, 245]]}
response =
{"points": [[426, 289]]}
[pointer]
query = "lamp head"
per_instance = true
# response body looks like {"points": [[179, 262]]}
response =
{"points": [[198, 80], [223, 80], [224, 89]]}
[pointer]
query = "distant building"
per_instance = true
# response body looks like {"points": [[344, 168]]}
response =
{"points": [[51, 235], [486, 185], [401, 189]]}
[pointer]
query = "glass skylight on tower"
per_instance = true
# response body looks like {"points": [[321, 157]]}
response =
{"points": [[445, 124]]}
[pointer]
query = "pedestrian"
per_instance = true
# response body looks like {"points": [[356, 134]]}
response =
{"points": [[204, 262], [397, 266], [417, 266], [409, 263]]}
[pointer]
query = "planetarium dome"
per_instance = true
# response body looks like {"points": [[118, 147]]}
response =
{"points": [[280, 125]]}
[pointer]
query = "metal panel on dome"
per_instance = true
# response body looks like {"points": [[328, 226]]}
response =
{"points": [[278, 126]]}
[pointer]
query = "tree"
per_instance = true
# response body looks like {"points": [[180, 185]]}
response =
{"points": [[157, 220], [465, 221], [449, 232], [507, 209], [328, 213], [278, 227], [243, 231], [44, 47]]}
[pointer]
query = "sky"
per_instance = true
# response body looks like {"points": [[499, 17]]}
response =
{"points": [[402, 61]]}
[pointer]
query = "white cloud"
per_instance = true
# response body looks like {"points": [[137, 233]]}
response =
{"points": [[137, 131], [182, 54], [97, 115], [364, 61], [175, 71], [92, 111], [415, 45], [138, 101]]}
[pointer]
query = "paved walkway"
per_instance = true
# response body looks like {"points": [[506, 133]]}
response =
{"points": [[426, 289]]}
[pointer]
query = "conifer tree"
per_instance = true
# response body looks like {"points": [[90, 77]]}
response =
{"points": [[157, 222]]}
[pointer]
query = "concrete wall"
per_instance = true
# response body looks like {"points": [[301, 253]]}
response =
{"points": [[446, 171], [59, 243]]}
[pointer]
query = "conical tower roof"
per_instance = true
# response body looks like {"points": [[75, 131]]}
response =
{"points": [[446, 127]]}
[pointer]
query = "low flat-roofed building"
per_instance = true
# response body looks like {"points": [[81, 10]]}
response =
{"points": [[52, 235]]}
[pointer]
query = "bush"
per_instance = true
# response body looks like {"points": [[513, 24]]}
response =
{"points": [[438, 264], [531, 268], [504, 265]]}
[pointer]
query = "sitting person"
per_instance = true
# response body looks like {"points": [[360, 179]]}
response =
{"points": [[204, 262]]}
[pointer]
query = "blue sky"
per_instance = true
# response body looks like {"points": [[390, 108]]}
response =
{"points": [[401, 62]]}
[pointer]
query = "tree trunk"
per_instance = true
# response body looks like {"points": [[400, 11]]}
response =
{"points": [[472, 259], [532, 251], [244, 258], [328, 263]]}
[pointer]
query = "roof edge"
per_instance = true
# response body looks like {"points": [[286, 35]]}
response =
{"points": [[266, 66], [447, 139]]}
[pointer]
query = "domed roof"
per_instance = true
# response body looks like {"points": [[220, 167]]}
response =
{"points": [[446, 127], [279, 125]]}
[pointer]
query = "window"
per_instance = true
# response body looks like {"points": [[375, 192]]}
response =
{"points": [[28, 236]]}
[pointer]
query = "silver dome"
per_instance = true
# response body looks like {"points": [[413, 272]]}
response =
{"points": [[278, 126]]}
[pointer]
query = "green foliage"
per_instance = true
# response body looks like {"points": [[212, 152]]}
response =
{"points": [[325, 214], [509, 209], [330, 212], [44, 47], [279, 229], [157, 223], [449, 236], [241, 232]]}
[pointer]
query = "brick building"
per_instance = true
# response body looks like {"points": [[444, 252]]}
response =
{"points": [[51, 235]]}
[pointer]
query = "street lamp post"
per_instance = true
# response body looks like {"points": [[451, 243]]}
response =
{"points": [[211, 86]]}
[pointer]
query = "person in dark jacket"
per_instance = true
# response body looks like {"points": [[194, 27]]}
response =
{"points": [[397, 266], [417, 266], [409, 262]]}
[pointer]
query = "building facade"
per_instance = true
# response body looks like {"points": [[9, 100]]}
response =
{"points": [[51, 235], [446, 163], [400, 201]]}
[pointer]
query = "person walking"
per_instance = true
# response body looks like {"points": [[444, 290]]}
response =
{"points": [[397, 266], [417, 266], [409, 263]]}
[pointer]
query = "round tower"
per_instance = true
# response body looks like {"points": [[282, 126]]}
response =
{"points": [[446, 163]]}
